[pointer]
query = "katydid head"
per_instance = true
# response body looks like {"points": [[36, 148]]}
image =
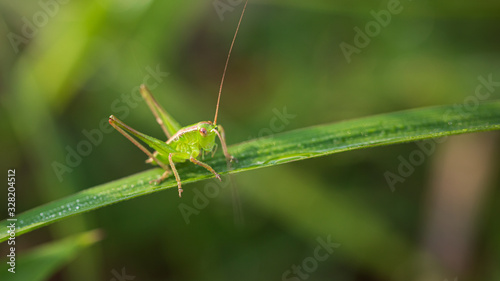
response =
{"points": [[207, 133], [227, 61], [205, 128]]}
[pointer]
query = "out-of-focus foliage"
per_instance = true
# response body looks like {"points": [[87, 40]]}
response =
{"points": [[41, 263], [81, 61]]}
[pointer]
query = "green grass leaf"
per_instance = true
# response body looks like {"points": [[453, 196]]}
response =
{"points": [[385, 129], [42, 262]]}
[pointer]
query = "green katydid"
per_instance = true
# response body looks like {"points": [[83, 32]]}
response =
{"points": [[184, 143]]}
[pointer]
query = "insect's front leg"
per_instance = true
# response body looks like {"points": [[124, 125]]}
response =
{"points": [[176, 174], [206, 166], [214, 149], [222, 137]]}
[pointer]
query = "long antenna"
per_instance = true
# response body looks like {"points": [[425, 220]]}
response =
{"points": [[227, 61]]}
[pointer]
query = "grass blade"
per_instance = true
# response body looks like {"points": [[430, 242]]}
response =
{"points": [[385, 129], [41, 263]]}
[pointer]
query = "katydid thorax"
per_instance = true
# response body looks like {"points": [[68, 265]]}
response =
{"points": [[184, 143]]}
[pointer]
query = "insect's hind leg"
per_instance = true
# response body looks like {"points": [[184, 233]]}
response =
{"points": [[166, 122], [113, 121], [152, 156], [206, 166]]}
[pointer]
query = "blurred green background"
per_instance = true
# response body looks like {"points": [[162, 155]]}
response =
{"points": [[67, 65]]}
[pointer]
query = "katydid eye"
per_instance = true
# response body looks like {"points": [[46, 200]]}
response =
{"points": [[203, 132]]}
